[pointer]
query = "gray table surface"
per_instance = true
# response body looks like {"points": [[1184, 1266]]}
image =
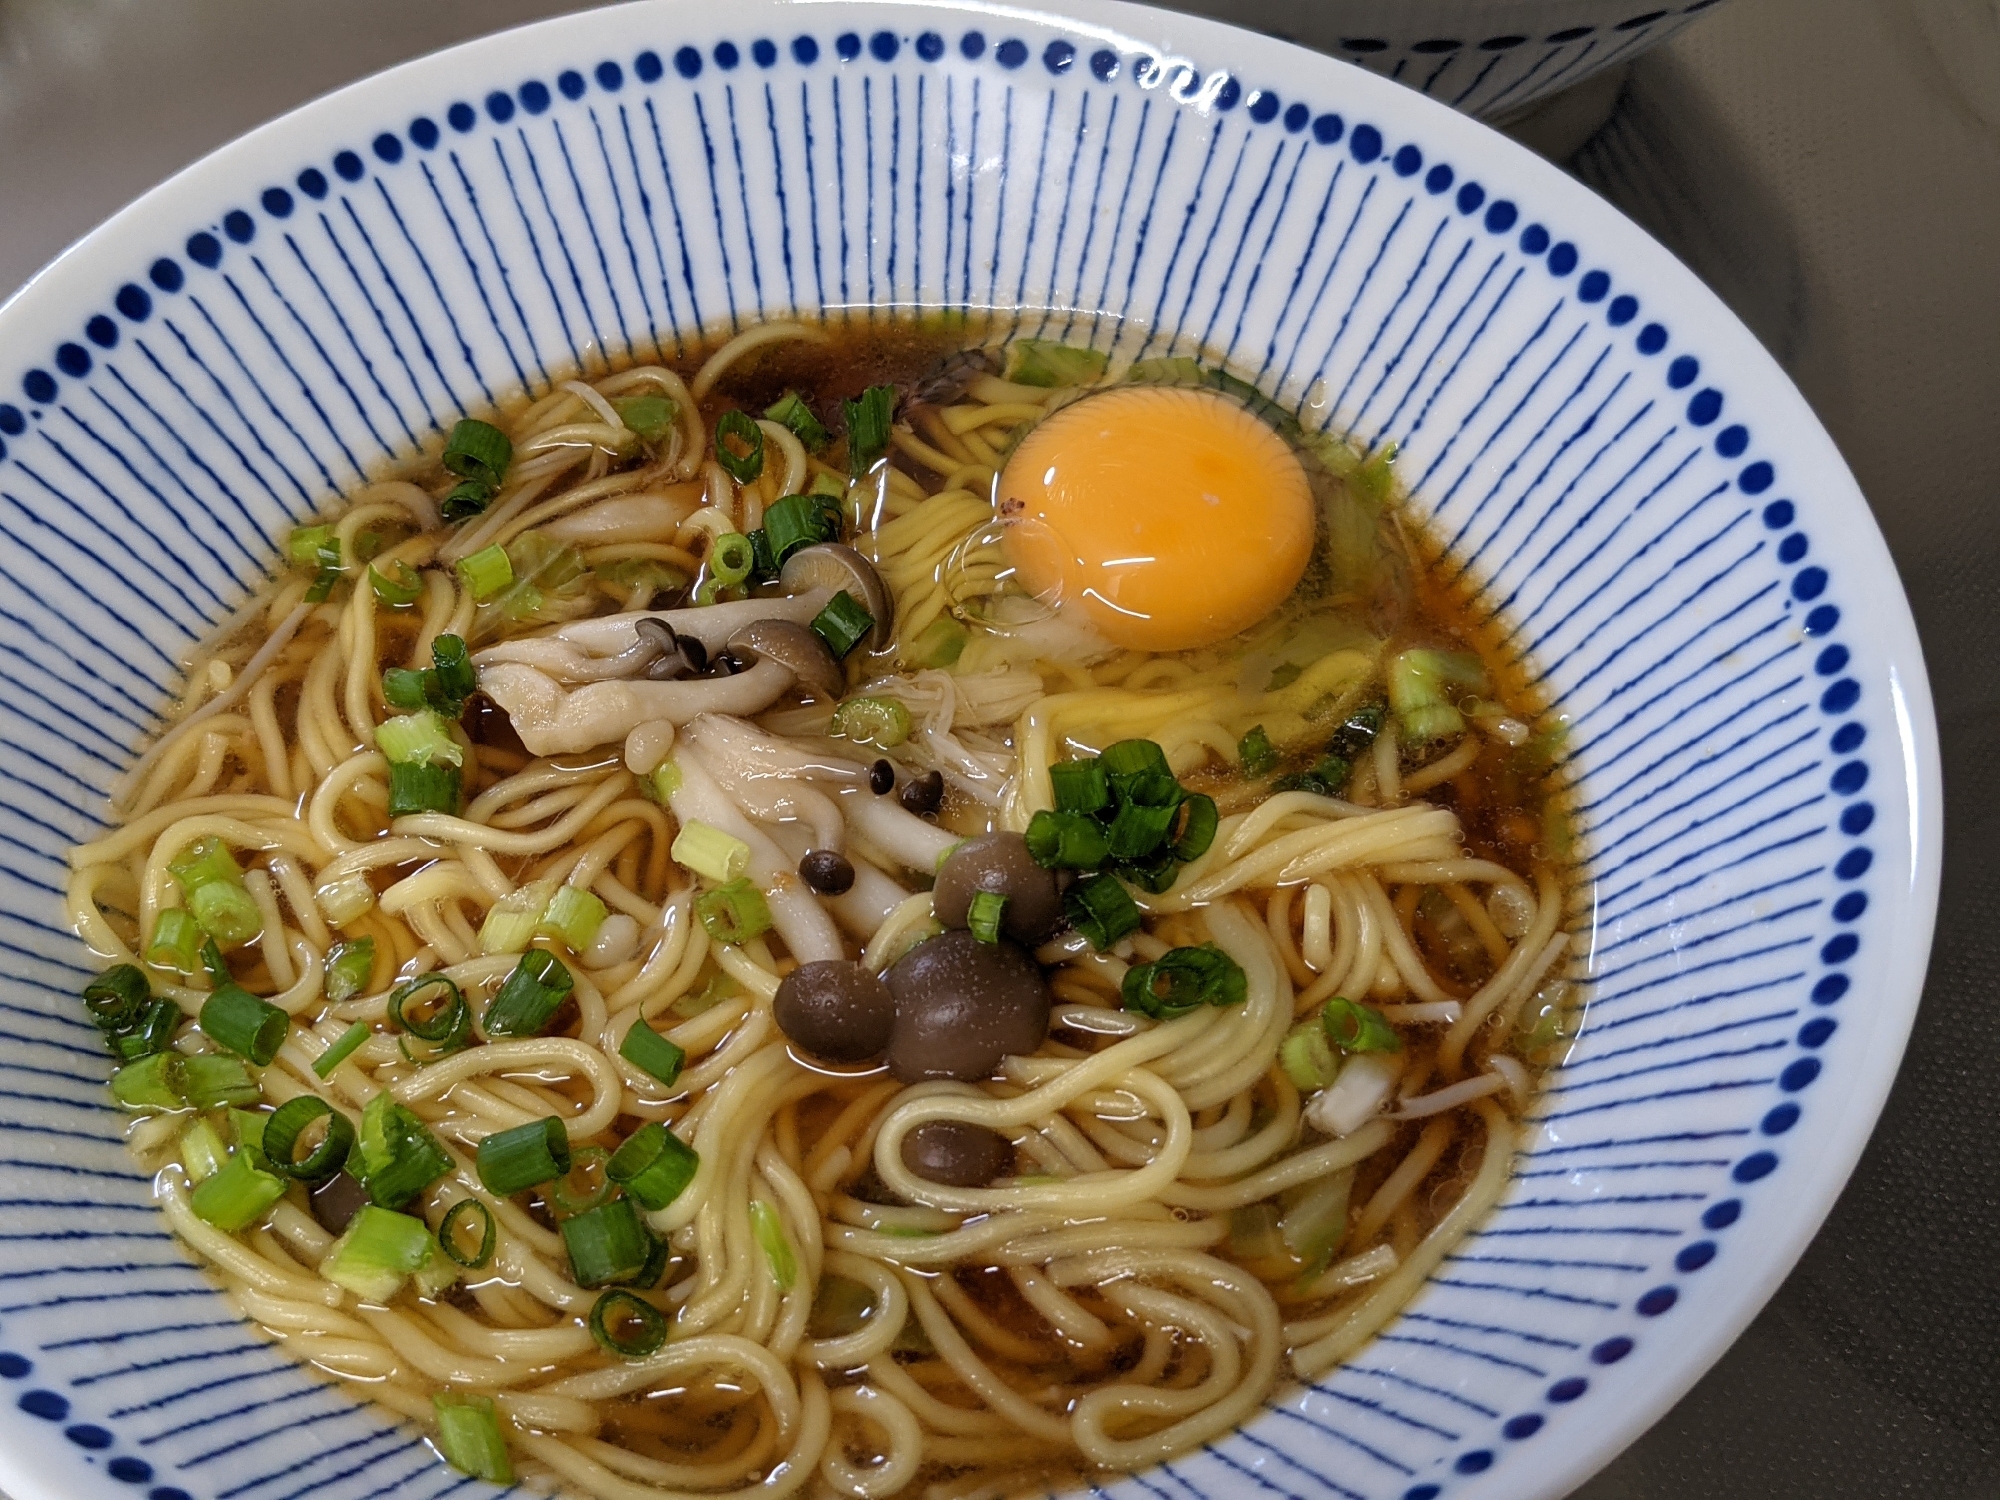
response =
{"points": [[1832, 169]]}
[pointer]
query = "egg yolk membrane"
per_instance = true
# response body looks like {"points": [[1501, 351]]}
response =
{"points": [[1173, 518]]}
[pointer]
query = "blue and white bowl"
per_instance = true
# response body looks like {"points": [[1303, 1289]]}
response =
{"points": [[1632, 482]]}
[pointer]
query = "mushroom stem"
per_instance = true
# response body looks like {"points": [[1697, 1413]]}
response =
{"points": [[898, 834]]}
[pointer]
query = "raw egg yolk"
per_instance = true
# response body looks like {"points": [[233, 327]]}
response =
{"points": [[1173, 518]]}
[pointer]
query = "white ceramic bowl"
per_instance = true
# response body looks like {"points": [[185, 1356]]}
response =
{"points": [[1637, 486], [1490, 58]]}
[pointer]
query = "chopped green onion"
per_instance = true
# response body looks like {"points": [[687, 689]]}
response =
{"points": [[1256, 752], [1198, 818], [868, 422], [466, 500], [1418, 681], [309, 545], [419, 739], [238, 1021], [403, 687], [574, 915], [1045, 362], [118, 997], [648, 1276], [486, 572], [1182, 980], [176, 938], [1327, 777], [202, 1151], [236, 1196], [449, 1022], [151, 1083], [212, 961], [1358, 1028], [1358, 732], [842, 623], [939, 644], [882, 722], [448, 1238], [422, 789], [731, 559], [1316, 1223], [206, 861], [398, 1156], [627, 1326], [649, 418], [377, 1253], [826, 484], [398, 587], [348, 968], [341, 1050], [652, 1054], [982, 917], [772, 1240], [795, 521], [1134, 758], [790, 410], [734, 913], [709, 852], [225, 912], [456, 678], [248, 1128], [478, 451], [1080, 786], [606, 1244], [1137, 831], [735, 428], [1102, 910], [511, 921], [665, 780], [653, 1165], [512, 1161], [210, 1081], [469, 1437], [1253, 1232], [530, 997], [152, 1032], [1307, 1057], [1067, 841], [291, 1121], [583, 1187]]}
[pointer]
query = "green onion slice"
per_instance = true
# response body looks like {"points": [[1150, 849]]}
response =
{"points": [[731, 559], [422, 738], [478, 451], [583, 1187], [574, 915], [431, 1009], [530, 997], [776, 1245], [486, 572], [152, 1032], [225, 912], [795, 521], [397, 586], [348, 968], [422, 789], [843, 623], [466, 500], [341, 1050], [1198, 819], [399, 1157], [983, 916], [1067, 841], [607, 1244], [152, 1083], [456, 677], [746, 463], [469, 1437], [176, 942], [238, 1021], [790, 410], [1080, 786], [1135, 758], [237, 1196], [1256, 752], [290, 1122], [868, 422], [654, 1165], [882, 722], [1307, 1057], [210, 1081], [118, 997], [1137, 831], [206, 861], [1358, 1028], [710, 852], [405, 688], [627, 1326], [1102, 910], [450, 1242], [652, 1054], [650, 418], [1045, 362], [734, 913], [512, 1161], [1184, 979], [939, 644]]}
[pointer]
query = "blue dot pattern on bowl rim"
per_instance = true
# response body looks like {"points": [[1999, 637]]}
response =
{"points": [[1596, 493]]}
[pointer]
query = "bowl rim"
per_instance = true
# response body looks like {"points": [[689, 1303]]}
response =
{"points": [[43, 312]]}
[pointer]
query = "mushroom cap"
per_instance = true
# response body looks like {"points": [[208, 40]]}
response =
{"points": [[835, 1009], [797, 646], [956, 1153], [1000, 863], [830, 565], [962, 1005]]}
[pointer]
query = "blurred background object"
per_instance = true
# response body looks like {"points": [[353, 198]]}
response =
{"points": [[1832, 169]]}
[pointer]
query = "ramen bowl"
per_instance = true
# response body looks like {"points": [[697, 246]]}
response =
{"points": [[1605, 455]]}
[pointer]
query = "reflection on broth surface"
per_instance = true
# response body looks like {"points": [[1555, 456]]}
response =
{"points": [[895, 910]]}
